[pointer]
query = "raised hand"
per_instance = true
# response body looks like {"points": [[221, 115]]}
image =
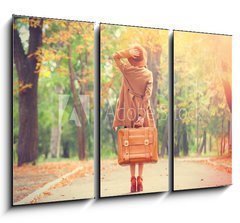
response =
{"points": [[134, 53]]}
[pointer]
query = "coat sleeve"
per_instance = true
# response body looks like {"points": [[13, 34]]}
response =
{"points": [[118, 59], [146, 97]]}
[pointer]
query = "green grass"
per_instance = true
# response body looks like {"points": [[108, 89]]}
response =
{"points": [[194, 154], [42, 159], [108, 154]]}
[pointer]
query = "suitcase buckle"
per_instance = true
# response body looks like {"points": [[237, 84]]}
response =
{"points": [[146, 142], [125, 143]]}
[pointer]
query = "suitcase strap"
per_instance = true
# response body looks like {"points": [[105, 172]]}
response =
{"points": [[146, 143], [126, 145]]}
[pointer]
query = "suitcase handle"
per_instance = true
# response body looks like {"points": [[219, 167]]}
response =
{"points": [[135, 125]]}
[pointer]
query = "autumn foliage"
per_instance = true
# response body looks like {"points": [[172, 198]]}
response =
{"points": [[59, 69], [202, 94]]}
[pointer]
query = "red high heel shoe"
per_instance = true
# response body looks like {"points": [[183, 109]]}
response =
{"points": [[133, 184], [139, 184]]}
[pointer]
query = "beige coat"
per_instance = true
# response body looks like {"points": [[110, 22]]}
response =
{"points": [[135, 94]]}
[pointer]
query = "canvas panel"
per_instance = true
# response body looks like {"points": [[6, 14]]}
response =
{"points": [[202, 144], [52, 110], [115, 43]]}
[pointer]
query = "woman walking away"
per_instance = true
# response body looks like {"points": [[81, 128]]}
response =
{"points": [[133, 108]]}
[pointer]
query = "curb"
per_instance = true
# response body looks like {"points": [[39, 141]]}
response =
{"points": [[28, 199]]}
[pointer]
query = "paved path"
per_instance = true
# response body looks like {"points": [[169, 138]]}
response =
{"points": [[115, 179], [81, 188], [191, 175]]}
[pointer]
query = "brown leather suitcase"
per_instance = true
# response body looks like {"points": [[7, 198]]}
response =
{"points": [[137, 145]]}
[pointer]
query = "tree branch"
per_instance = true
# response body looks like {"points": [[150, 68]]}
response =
{"points": [[77, 103]]}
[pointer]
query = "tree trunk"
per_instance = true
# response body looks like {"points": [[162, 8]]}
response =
{"points": [[197, 127], [230, 138], [205, 146], [164, 146], [66, 150], [113, 135], [204, 143], [81, 141], [55, 142], [222, 137], [177, 145], [185, 140], [224, 144], [154, 66], [79, 111], [228, 95], [210, 143], [217, 145], [28, 80], [56, 132], [197, 132]]}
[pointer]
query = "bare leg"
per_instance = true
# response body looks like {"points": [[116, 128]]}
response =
{"points": [[140, 169], [132, 169], [139, 178], [133, 179]]}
